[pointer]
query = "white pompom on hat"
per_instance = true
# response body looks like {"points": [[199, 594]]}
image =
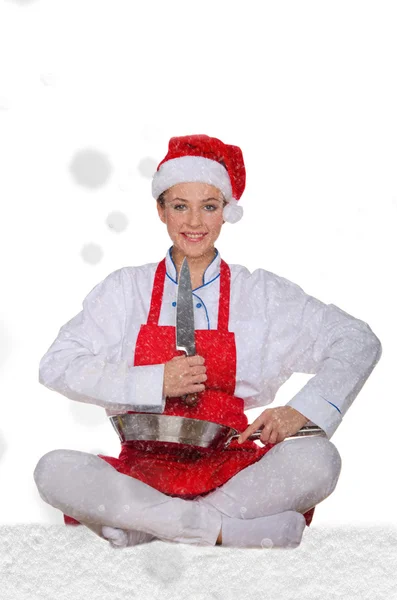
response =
{"points": [[204, 159]]}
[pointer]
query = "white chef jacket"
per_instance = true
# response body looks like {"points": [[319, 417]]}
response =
{"points": [[278, 328]]}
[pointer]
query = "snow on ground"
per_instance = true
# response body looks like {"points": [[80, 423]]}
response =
{"points": [[53, 562]]}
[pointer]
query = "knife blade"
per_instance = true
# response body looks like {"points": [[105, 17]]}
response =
{"points": [[185, 339]]}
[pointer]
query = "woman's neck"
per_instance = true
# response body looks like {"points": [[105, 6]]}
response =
{"points": [[197, 266]]}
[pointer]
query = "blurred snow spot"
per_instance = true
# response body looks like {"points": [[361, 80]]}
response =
{"points": [[48, 79], [266, 543], [117, 221], [92, 253], [147, 167], [90, 168], [101, 508]]}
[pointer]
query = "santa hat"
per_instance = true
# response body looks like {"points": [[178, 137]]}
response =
{"points": [[204, 159]]}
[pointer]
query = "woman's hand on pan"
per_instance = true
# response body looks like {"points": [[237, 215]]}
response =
{"points": [[184, 375], [278, 423]]}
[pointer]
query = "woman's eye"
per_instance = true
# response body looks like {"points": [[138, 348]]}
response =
{"points": [[182, 207]]}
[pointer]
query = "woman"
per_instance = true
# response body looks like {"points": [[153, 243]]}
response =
{"points": [[252, 332]]}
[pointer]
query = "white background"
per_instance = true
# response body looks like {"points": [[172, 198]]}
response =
{"points": [[306, 89]]}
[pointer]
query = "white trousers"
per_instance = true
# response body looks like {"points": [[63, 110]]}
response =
{"points": [[295, 475]]}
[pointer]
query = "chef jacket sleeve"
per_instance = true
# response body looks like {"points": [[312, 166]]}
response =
{"points": [[340, 350], [84, 362]]}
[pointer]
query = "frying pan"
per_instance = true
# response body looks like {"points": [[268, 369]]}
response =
{"points": [[182, 430]]}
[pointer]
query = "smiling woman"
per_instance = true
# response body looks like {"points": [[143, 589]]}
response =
{"points": [[193, 215], [252, 331]]}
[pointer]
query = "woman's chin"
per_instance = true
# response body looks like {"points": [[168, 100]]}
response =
{"points": [[189, 253]]}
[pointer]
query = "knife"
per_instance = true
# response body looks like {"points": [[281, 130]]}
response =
{"points": [[185, 339]]}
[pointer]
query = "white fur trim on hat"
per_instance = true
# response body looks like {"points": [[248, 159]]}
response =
{"points": [[232, 212], [189, 169]]}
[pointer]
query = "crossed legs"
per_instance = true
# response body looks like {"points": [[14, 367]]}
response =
{"points": [[88, 489], [265, 502], [291, 478]]}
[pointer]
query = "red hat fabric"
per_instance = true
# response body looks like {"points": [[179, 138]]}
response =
{"points": [[205, 159]]}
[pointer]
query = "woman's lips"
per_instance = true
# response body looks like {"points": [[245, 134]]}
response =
{"points": [[195, 239]]}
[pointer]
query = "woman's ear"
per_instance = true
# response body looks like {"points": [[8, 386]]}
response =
{"points": [[161, 212]]}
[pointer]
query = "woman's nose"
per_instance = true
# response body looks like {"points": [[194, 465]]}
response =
{"points": [[194, 217]]}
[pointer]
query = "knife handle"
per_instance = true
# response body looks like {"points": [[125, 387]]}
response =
{"points": [[189, 399]]}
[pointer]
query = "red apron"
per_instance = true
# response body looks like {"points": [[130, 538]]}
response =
{"points": [[184, 471]]}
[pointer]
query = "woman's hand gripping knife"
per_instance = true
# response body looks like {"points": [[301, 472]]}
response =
{"points": [[185, 375], [278, 423]]}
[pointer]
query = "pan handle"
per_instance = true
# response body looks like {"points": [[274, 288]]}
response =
{"points": [[308, 430]]}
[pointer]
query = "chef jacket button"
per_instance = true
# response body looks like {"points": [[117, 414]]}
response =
{"points": [[198, 305], [174, 304]]}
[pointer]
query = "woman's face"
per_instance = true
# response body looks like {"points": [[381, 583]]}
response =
{"points": [[193, 213]]}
